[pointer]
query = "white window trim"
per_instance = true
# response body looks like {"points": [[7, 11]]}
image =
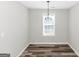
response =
{"points": [[48, 34]]}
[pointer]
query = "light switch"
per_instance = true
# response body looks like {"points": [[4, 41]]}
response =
{"points": [[2, 34]]}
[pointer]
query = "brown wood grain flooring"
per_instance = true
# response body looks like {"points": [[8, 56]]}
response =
{"points": [[48, 50]]}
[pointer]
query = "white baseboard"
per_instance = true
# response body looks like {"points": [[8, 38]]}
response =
{"points": [[73, 49], [40, 43], [23, 50], [49, 42], [56, 43]]}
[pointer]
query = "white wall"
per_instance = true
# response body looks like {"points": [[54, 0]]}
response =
{"points": [[13, 27], [36, 27], [74, 28]]}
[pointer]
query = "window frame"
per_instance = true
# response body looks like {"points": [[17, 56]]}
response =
{"points": [[53, 32]]}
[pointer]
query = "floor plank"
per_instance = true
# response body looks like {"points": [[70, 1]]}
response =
{"points": [[48, 50]]}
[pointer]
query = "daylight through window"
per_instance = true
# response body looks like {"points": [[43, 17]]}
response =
{"points": [[49, 25]]}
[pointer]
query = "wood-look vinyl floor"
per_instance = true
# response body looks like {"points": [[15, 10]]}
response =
{"points": [[48, 50]]}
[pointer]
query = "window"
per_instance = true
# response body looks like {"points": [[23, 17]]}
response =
{"points": [[49, 25]]}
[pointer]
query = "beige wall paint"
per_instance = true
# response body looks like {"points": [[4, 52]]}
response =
{"points": [[74, 28], [13, 27], [36, 35]]}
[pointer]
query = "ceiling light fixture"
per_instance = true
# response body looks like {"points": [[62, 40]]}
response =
{"points": [[48, 8]]}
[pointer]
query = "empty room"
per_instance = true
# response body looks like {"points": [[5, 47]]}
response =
{"points": [[39, 28]]}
